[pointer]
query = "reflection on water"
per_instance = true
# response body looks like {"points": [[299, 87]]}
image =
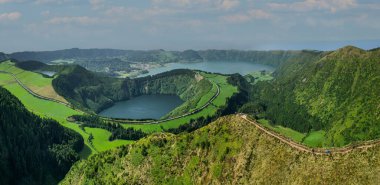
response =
{"points": [[224, 67], [146, 106]]}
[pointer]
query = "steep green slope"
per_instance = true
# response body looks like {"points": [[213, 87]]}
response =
{"points": [[95, 92], [53, 110], [338, 94], [271, 58], [3, 57], [33, 150], [228, 151]]}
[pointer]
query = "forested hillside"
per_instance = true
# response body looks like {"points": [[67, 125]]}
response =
{"points": [[33, 150], [87, 56], [160, 56], [271, 58], [95, 92], [338, 94], [228, 151], [3, 57]]}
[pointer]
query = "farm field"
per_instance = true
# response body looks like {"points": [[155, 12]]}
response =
{"points": [[34, 81]]}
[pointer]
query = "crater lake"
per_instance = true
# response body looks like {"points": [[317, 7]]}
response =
{"points": [[143, 107]]}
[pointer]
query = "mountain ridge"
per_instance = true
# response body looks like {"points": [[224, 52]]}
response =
{"points": [[237, 153], [335, 93]]}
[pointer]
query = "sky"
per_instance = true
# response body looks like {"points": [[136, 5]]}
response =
{"points": [[35, 25]]}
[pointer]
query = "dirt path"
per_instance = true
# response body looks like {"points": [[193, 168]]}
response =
{"points": [[32, 92], [318, 151], [116, 120]]}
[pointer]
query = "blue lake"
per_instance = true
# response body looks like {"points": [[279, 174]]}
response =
{"points": [[142, 107], [224, 67]]}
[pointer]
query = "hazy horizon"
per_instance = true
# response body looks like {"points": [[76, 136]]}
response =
{"points": [[366, 45], [46, 25]]}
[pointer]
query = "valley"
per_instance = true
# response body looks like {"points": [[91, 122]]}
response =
{"points": [[100, 142], [263, 106], [237, 153], [189, 92]]}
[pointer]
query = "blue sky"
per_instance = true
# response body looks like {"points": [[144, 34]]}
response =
{"points": [[188, 24]]}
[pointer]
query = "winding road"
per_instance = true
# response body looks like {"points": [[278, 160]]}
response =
{"points": [[300, 147], [33, 93], [168, 119], [117, 120]]}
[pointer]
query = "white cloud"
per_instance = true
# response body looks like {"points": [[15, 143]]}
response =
{"points": [[253, 14], [199, 4], [137, 14], [11, 1], [97, 4], [52, 1], [5, 1], [176, 2], [308, 5], [82, 20], [13, 16], [229, 4], [8, 1], [45, 13]]}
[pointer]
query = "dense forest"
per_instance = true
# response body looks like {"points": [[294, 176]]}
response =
{"points": [[96, 92], [271, 58], [117, 130], [33, 150], [335, 93], [3, 57]]}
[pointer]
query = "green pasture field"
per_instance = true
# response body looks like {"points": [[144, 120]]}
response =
{"points": [[312, 139], [33, 81], [100, 142], [288, 132], [58, 112], [315, 138], [258, 76], [226, 89]]}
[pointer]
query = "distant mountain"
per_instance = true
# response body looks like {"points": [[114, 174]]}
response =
{"points": [[47, 56], [228, 151], [338, 93], [85, 56], [97, 54], [33, 150], [271, 58], [3, 57]]}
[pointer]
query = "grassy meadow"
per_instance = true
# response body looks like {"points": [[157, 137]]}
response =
{"points": [[312, 139], [34, 81], [100, 142], [54, 110]]}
